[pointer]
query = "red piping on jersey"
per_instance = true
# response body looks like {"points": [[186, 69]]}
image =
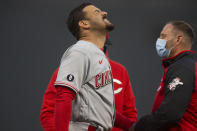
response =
{"points": [[66, 84]]}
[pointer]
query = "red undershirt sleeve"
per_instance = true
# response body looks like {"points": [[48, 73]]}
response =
{"points": [[63, 108]]}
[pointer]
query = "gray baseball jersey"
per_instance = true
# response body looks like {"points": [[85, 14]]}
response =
{"points": [[85, 69]]}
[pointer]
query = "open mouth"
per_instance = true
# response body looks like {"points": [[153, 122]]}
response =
{"points": [[105, 20], [104, 17]]}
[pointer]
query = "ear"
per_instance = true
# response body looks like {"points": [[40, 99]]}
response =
{"points": [[179, 39], [84, 24]]}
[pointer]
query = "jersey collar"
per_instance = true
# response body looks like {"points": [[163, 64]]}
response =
{"points": [[168, 61]]}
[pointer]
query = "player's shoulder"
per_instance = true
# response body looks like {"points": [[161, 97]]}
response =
{"points": [[84, 46], [78, 47], [83, 49], [187, 63]]}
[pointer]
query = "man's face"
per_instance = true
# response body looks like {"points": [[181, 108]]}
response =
{"points": [[168, 34], [97, 19]]}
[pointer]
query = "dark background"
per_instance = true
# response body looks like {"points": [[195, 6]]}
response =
{"points": [[34, 37]]}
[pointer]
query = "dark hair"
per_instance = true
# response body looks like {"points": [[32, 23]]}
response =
{"points": [[74, 17], [185, 28]]}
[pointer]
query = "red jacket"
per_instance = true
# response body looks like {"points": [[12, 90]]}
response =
{"points": [[124, 97]]}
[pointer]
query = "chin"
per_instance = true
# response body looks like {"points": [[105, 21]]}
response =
{"points": [[109, 27]]}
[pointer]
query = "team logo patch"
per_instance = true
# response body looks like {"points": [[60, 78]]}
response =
{"points": [[175, 82], [70, 77]]}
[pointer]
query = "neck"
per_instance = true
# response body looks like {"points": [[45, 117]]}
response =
{"points": [[177, 51], [96, 38]]}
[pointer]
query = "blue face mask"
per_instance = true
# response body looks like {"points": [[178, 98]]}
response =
{"points": [[161, 48]]}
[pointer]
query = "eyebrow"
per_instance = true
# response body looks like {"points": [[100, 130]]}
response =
{"points": [[163, 35], [97, 10]]}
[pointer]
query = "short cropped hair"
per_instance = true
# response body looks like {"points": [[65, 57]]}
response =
{"points": [[185, 28], [74, 17]]}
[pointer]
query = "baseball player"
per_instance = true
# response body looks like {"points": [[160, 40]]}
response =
{"points": [[85, 98], [124, 98]]}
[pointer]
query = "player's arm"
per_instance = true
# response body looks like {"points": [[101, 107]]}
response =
{"points": [[48, 105], [72, 74], [63, 108], [129, 108], [177, 94]]}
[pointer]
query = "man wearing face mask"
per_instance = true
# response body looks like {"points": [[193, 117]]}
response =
{"points": [[175, 105]]}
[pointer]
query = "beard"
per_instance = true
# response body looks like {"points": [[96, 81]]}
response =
{"points": [[104, 25], [109, 27]]}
